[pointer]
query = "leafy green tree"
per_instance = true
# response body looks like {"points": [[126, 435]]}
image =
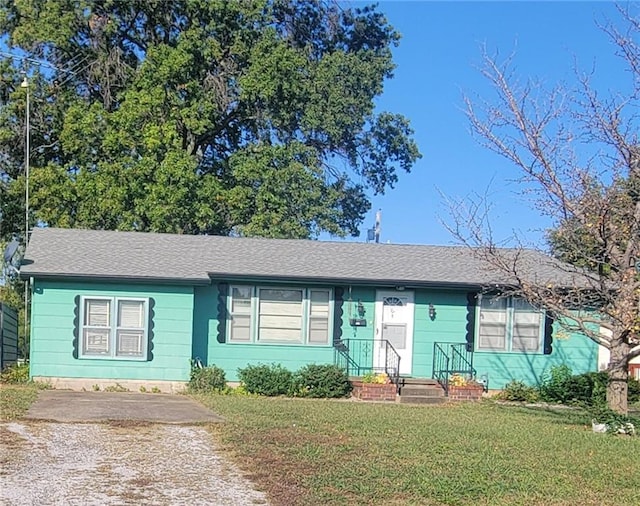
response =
{"points": [[253, 117]]}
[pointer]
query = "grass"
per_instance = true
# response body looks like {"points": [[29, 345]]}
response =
{"points": [[15, 399], [307, 452]]}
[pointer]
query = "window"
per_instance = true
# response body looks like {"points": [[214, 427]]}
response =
{"points": [[319, 316], [114, 328], [280, 315], [240, 326], [509, 324]]}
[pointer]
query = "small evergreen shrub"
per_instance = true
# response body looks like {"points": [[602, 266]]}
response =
{"points": [[555, 383], [269, 380], [322, 381], [579, 388], [519, 391], [206, 379], [589, 388], [599, 390], [16, 373]]}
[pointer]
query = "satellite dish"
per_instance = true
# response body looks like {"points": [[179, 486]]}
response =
{"points": [[10, 251]]}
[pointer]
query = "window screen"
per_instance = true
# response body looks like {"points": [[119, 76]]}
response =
{"points": [[96, 330], [319, 316], [493, 324], [130, 335], [240, 327]]}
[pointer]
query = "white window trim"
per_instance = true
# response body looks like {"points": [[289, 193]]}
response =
{"points": [[255, 316], [113, 329], [508, 330]]}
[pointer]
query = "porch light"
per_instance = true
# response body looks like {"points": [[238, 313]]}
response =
{"points": [[432, 312]]}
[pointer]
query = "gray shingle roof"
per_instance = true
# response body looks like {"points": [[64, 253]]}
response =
{"points": [[77, 254]]}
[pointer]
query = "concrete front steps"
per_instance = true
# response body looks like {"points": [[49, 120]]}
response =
{"points": [[421, 391]]}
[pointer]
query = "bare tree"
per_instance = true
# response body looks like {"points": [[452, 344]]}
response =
{"points": [[578, 155]]}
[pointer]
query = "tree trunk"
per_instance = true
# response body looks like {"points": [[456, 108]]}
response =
{"points": [[618, 377]]}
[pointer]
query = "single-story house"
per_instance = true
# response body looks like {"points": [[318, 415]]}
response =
{"points": [[136, 308]]}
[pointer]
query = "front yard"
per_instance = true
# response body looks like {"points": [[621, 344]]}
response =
{"points": [[342, 452], [308, 452]]}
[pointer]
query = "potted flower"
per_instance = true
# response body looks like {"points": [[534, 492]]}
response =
{"points": [[463, 388], [374, 387]]}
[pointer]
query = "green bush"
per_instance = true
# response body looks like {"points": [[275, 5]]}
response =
{"points": [[206, 379], [633, 394], [589, 388], [555, 384], [269, 380], [16, 373], [519, 391], [325, 381]]}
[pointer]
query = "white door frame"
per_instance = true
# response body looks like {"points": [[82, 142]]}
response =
{"points": [[406, 355]]}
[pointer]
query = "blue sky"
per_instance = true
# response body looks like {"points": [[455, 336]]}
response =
{"points": [[437, 60]]}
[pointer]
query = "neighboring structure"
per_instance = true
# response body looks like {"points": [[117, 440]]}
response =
{"points": [[137, 307], [8, 336]]}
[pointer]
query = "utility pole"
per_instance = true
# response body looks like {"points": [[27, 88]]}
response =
{"points": [[25, 85]]}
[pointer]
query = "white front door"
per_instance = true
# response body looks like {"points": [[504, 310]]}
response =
{"points": [[394, 322]]}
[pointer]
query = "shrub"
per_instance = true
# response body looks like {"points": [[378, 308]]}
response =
{"points": [[270, 380], [599, 391], [633, 394], [554, 384], [16, 373], [326, 381], [588, 388], [206, 379], [519, 391], [580, 388]]}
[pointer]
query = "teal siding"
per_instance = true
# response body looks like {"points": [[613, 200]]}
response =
{"points": [[52, 328], [449, 325], [576, 351], [210, 347], [186, 326], [368, 298]]}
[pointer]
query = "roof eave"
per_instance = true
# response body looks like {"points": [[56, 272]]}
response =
{"points": [[115, 278], [383, 282]]}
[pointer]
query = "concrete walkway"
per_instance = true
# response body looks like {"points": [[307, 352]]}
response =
{"points": [[67, 406]]}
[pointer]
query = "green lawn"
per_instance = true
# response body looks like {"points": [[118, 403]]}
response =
{"points": [[16, 399], [310, 452]]}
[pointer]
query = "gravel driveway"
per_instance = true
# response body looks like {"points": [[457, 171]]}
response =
{"points": [[116, 463]]}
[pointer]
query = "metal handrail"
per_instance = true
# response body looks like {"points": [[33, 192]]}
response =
{"points": [[441, 366], [449, 359], [462, 359], [356, 357], [392, 364]]}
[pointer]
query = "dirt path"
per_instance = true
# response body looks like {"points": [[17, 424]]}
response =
{"points": [[116, 464]]}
